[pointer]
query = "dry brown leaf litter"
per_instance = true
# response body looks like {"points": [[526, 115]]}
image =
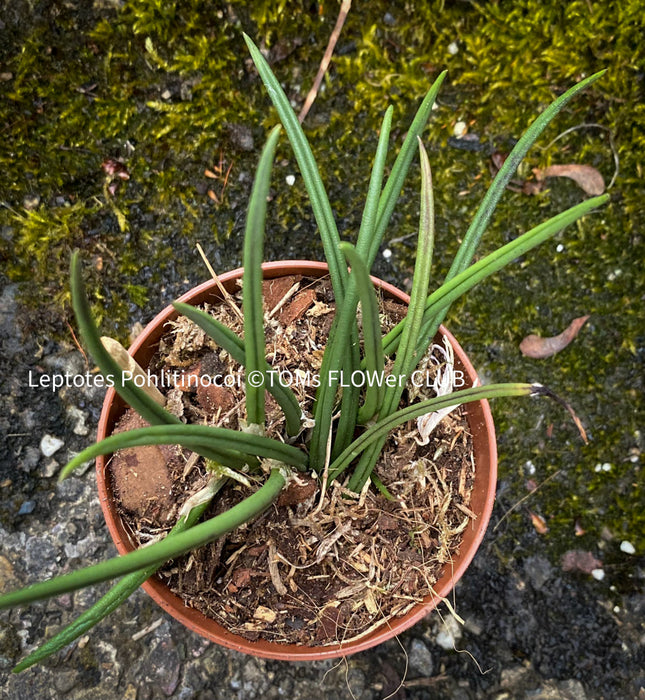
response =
{"points": [[538, 348]]}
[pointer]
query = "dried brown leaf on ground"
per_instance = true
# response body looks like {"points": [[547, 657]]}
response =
{"points": [[539, 523], [579, 560], [585, 176], [538, 348]]}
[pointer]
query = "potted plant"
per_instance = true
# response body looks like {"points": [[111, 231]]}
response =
{"points": [[302, 452], [481, 499]]}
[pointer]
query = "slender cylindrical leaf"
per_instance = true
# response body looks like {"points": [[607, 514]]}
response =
{"points": [[338, 348], [350, 398], [131, 394], [254, 344], [139, 400], [194, 437], [366, 240], [407, 358], [372, 346], [367, 245], [329, 370], [310, 174]]}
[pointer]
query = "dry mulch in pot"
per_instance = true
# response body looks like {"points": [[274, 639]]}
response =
{"points": [[317, 567]]}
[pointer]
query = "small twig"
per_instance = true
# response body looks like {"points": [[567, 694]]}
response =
{"points": [[290, 292], [449, 605], [325, 546], [216, 174], [347, 679], [382, 621], [191, 463], [522, 500], [226, 296], [228, 172], [146, 630], [454, 646], [273, 570], [325, 476], [363, 494], [402, 682], [400, 239], [464, 509], [324, 64], [297, 567], [78, 345], [426, 682]]}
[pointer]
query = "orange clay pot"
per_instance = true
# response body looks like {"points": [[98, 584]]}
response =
{"points": [[485, 454]]}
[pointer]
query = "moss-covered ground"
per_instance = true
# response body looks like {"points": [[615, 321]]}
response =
{"points": [[166, 89]]}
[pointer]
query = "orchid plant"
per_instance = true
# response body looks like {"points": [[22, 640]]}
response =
{"points": [[333, 450]]}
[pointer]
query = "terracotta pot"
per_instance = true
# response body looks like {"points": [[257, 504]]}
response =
{"points": [[481, 426]]}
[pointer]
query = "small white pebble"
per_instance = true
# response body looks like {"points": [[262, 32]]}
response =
{"points": [[51, 468], [387, 253], [459, 129], [290, 180], [50, 445], [627, 547], [529, 467], [559, 248], [435, 106], [449, 634], [616, 608], [606, 467], [598, 574], [453, 48], [166, 95], [598, 467]]}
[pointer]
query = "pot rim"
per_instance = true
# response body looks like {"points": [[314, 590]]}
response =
{"points": [[484, 447]]}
